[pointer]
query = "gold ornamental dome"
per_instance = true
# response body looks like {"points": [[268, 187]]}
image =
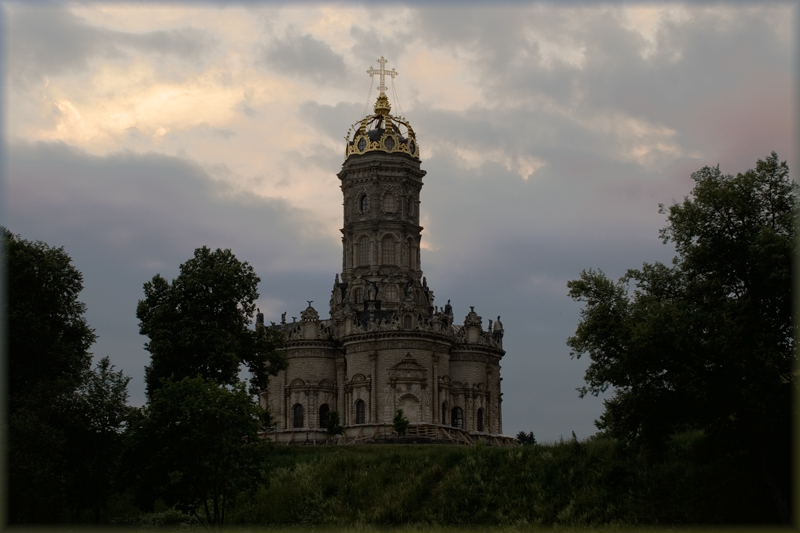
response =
{"points": [[381, 132]]}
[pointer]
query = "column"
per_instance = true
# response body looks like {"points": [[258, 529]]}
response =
{"points": [[435, 408], [340, 388], [285, 402], [373, 390], [488, 411]]}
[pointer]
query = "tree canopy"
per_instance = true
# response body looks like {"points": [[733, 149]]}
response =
{"points": [[196, 446], [708, 342], [49, 339], [61, 411], [199, 324]]}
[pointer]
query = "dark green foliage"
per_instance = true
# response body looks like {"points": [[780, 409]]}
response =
{"points": [[526, 439], [575, 484], [199, 324], [49, 339], [65, 418], [196, 446], [98, 416], [707, 343], [332, 425], [400, 423]]}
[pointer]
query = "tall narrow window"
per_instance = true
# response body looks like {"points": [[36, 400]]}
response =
{"points": [[407, 322], [364, 204], [457, 418], [388, 203], [361, 412], [297, 416], [323, 414], [391, 293], [358, 296], [444, 413], [387, 246], [363, 251], [480, 419]]}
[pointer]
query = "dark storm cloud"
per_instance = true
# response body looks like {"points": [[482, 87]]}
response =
{"points": [[49, 40], [125, 217], [302, 56]]}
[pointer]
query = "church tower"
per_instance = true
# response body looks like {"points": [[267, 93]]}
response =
{"points": [[381, 181], [386, 345]]}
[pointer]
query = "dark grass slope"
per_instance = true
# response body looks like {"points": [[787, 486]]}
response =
{"points": [[574, 484]]}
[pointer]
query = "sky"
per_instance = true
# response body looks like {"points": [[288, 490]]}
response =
{"points": [[136, 133]]}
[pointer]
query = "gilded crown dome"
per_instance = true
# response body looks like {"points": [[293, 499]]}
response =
{"points": [[381, 132]]}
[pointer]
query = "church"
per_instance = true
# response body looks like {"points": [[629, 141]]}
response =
{"points": [[386, 346]]}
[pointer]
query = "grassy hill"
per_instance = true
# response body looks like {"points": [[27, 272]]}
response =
{"points": [[577, 484]]}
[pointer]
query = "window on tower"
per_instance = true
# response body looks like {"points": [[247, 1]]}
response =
{"points": [[388, 203], [364, 204], [358, 296], [363, 251], [388, 251], [391, 293], [412, 258]]}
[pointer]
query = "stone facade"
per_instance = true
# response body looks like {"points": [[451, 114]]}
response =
{"points": [[386, 346]]}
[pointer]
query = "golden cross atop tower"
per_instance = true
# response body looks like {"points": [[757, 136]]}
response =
{"points": [[383, 73]]}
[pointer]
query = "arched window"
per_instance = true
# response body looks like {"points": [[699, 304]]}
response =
{"points": [[480, 419], [323, 414], [387, 246], [444, 413], [358, 296], [361, 412], [390, 292], [297, 416], [364, 204], [457, 418], [388, 203], [407, 322], [363, 251]]}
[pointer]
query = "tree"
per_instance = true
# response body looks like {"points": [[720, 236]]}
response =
{"points": [[49, 339], [707, 343], [60, 410], [199, 324], [99, 416], [196, 445], [526, 439], [400, 423], [333, 426]]}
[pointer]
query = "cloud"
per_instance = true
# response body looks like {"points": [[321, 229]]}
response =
{"points": [[303, 56], [49, 40]]}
